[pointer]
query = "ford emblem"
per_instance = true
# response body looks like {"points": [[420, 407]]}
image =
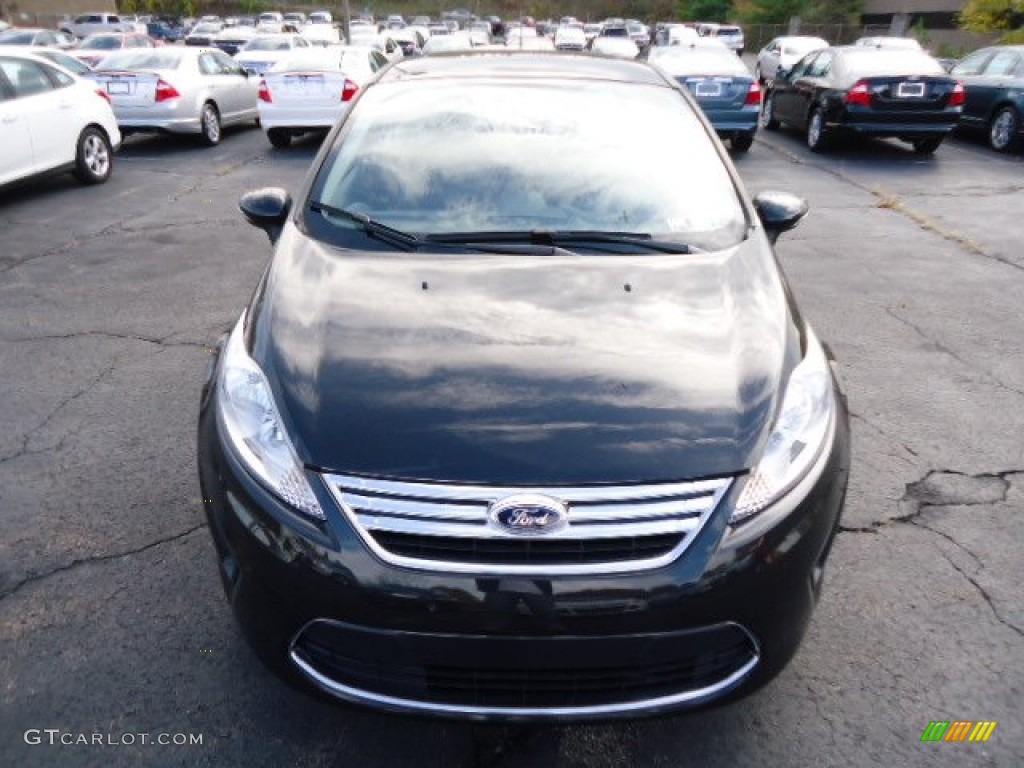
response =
{"points": [[529, 514]]}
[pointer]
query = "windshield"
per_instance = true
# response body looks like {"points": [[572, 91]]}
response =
{"points": [[101, 43], [268, 44], [872, 61], [156, 58], [436, 158]]}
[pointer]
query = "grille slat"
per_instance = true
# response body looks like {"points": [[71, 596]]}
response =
{"points": [[475, 671], [446, 527]]}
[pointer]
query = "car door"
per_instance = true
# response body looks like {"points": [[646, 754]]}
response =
{"points": [[16, 160], [977, 90], [786, 100], [48, 110], [999, 82], [240, 90]]}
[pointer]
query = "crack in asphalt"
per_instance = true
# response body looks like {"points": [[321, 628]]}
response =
{"points": [[922, 497], [162, 341], [121, 227], [890, 438], [26, 439], [984, 595], [950, 352], [891, 201], [77, 562], [949, 488]]}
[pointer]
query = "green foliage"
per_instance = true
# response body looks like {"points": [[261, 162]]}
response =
{"points": [[1014, 37], [705, 10], [990, 15], [811, 11], [921, 33]]}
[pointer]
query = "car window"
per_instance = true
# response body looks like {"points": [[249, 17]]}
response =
{"points": [[27, 78], [821, 65], [228, 66], [208, 64], [973, 64], [1003, 63], [801, 67]]}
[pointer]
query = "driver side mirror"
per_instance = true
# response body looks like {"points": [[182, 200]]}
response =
{"points": [[781, 73], [779, 212], [266, 208]]}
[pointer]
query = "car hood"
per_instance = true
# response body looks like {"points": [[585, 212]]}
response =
{"points": [[519, 370]]}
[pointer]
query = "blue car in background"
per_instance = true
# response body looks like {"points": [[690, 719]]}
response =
{"points": [[161, 31], [721, 84]]}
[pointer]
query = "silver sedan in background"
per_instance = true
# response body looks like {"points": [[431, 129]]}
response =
{"points": [[178, 90]]}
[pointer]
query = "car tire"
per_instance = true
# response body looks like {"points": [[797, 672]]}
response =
{"points": [[768, 121], [817, 135], [94, 157], [741, 142], [927, 145], [209, 124], [279, 138], [1004, 130]]}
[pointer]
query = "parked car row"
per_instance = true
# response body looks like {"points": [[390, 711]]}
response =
{"points": [[891, 87]]}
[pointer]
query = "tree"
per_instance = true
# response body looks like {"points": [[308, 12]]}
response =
{"points": [[991, 15], [705, 10], [772, 11]]}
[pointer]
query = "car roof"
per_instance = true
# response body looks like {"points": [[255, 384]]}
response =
{"points": [[514, 64]]}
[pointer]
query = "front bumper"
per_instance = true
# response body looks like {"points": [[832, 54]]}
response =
{"points": [[715, 624]]}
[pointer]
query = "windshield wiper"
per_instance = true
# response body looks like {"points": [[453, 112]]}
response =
{"points": [[410, 242], [566, 237], [374, 229]]}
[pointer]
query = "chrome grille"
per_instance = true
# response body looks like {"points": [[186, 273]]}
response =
{"points": [[445, 527]]}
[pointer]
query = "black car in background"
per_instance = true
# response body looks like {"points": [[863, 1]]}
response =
{"points": [[521, 420], [993, 79], [880, 92]]}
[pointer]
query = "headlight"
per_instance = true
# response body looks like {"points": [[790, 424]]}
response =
{"points": [[253, 426], [798, 436]]}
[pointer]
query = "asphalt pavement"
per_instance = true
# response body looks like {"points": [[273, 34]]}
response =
{"points": [[112, 621]]}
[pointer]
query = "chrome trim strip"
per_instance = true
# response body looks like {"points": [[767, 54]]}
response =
{"points": [[359, 696], [489, 493], [446, 510]]}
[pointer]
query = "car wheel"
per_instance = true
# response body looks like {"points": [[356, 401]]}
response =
{"points": [[1004, 130], [817, 136], [741, 142], [279, 138], [768, 121], [209, 124], [94, 158], [927, 145]]}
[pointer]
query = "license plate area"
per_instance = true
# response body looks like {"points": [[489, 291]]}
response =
{"points": [[708, 89], [118, 88], [910, 90]]}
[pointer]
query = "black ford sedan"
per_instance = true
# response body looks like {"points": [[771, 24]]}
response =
{"points": [[880, 92], [508, 432], [994, 102]]}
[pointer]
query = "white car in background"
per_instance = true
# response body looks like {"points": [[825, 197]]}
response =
{"points": [[783, 53], [312, 91], [52, 121], [616, 47], [570, 38], [264, 51]]}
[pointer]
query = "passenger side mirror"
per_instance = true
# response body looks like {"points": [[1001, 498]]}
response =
{"points": [[779, 212], [266, 208]]}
